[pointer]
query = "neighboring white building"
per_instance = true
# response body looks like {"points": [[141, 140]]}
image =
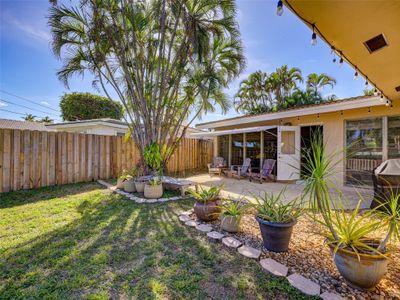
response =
{"points": [[23, 125], [104, 126]]}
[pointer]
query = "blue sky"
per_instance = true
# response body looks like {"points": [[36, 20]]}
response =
{"points": [[28, 67]]}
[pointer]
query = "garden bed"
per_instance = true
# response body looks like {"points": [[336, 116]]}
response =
{"points": [[309, 256]]}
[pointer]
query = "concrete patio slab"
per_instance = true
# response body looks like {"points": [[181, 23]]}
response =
{"points": [[238, 188]]}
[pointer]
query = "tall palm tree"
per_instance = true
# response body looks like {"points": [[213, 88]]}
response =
{"points": [[164, 59], [254, 94], [284, 81], [29, 118], [316, 82]]}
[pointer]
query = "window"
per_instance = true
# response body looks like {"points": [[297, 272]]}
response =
{"points": [[223, 147], [253, 148], [237, 149], [270, 143], [288, 142], [394, 137], [364, 149]]}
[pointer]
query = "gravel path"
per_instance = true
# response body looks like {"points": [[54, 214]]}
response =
{"points": [[309, 256]]}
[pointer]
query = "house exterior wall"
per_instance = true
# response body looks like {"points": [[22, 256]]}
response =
{"points": [[333, 129]]}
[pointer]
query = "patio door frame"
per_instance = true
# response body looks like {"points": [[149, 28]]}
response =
{"points": [[288, 165]]}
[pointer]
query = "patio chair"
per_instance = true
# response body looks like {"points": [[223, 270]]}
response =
{"points": [[216, 167], [242, 171], [265, 173]]}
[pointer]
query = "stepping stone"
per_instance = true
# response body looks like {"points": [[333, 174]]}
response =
{"points": [[140, 200], [151, 200], [191, 223], [249, 252], [331, 296], [231, 242], [204, 228], [215, 236], [188, 212], [304, 285], [163, 200], [272, 266], [184, 218]]}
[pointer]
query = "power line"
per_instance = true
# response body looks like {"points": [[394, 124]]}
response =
{"points": [[14, 112], [47, 113], [26, 99]]}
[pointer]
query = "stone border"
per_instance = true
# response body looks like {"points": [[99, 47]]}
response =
{"points": [[139, 200], [304, 285]]}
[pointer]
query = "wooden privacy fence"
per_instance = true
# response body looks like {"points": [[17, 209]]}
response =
{"points": [[31, 159]]}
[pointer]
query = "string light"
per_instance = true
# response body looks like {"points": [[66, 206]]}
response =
{"points": [[279, 8], [341, 112], [387, 103], [341, 60], [369, 109], [318, 115], [382, 99], [313, 36], [366, 81], [334, 59], [356, 75], [332, 49], [375, 92]]}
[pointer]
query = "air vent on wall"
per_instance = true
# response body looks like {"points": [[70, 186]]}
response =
{"points": [[376, 43], [397, 88]]}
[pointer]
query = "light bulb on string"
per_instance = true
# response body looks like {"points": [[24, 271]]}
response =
{"points": [[366, 82], [279, 8], [387, 103], [341, 61], [356, 75], [334, 59], [332, 50], [382, 99], [375, 92], [313, 37]]}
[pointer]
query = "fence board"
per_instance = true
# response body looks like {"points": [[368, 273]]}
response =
{"points": [[30, 159]]}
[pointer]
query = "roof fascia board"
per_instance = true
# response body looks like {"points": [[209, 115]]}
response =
{"points": [[87, 124], [373, 101]]}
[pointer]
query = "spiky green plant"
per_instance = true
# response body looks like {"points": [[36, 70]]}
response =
{"points": [[272, 207], [236, 208], [206, 195]]}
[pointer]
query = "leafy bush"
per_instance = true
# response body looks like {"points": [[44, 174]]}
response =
{"points": [[152, 157], [85, 106], [154, 182]]}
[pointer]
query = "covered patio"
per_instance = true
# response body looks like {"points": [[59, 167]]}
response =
{"points": [[238, 188]]}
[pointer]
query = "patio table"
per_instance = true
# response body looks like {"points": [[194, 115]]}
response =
{"points": [[181, 184]]}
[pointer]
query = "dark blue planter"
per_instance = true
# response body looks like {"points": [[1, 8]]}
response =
{"points": [[276, 236]]}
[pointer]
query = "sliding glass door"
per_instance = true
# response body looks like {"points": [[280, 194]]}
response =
{"points": [[253, 148], [237, 149], [394, 137]]}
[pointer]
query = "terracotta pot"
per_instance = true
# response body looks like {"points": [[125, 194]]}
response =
{"points": [[153, 191], [120, 183], [363, 273], [207, 212], [129, 186], [139, 185], [230, 223], [276, 236]]}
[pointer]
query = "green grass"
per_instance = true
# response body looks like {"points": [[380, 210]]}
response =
{"points": [[81, 241]]}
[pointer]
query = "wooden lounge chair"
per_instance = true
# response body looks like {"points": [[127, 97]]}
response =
{"points": [[265, 173], [242, 171], [217, 166]]}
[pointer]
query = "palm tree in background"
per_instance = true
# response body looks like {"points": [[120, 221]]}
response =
{"points": [[30, 118], [283, 81], [316, 82], [46, 120], [254, 94]]}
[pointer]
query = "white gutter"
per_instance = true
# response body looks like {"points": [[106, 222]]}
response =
{"points": [[87, 124], [231, 131], [292, 113]]}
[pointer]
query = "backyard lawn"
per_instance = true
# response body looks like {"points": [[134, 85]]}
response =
{"points": [[81, 241]]}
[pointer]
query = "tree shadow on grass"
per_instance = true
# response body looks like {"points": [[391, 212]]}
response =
{"points": [[22, 197], [119, 249]]}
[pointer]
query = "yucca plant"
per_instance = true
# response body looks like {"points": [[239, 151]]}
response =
{"points": [[272, 207], [206, 195], [154, 181], [236, 208]]}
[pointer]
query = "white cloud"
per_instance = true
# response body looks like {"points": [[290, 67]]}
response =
{"points": [[2, 104], [29, 30], [45, 103]]}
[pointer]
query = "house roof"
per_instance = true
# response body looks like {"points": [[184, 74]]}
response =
{"points": [[23, 125], [347, 25], [108, 121], [331, 106]]}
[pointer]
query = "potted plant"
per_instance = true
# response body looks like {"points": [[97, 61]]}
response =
{"points": [[128, 178], [276, 219], [121, 179], [360, 259], [153, 189], [207, 206], [232, 212], [139, 180]]}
